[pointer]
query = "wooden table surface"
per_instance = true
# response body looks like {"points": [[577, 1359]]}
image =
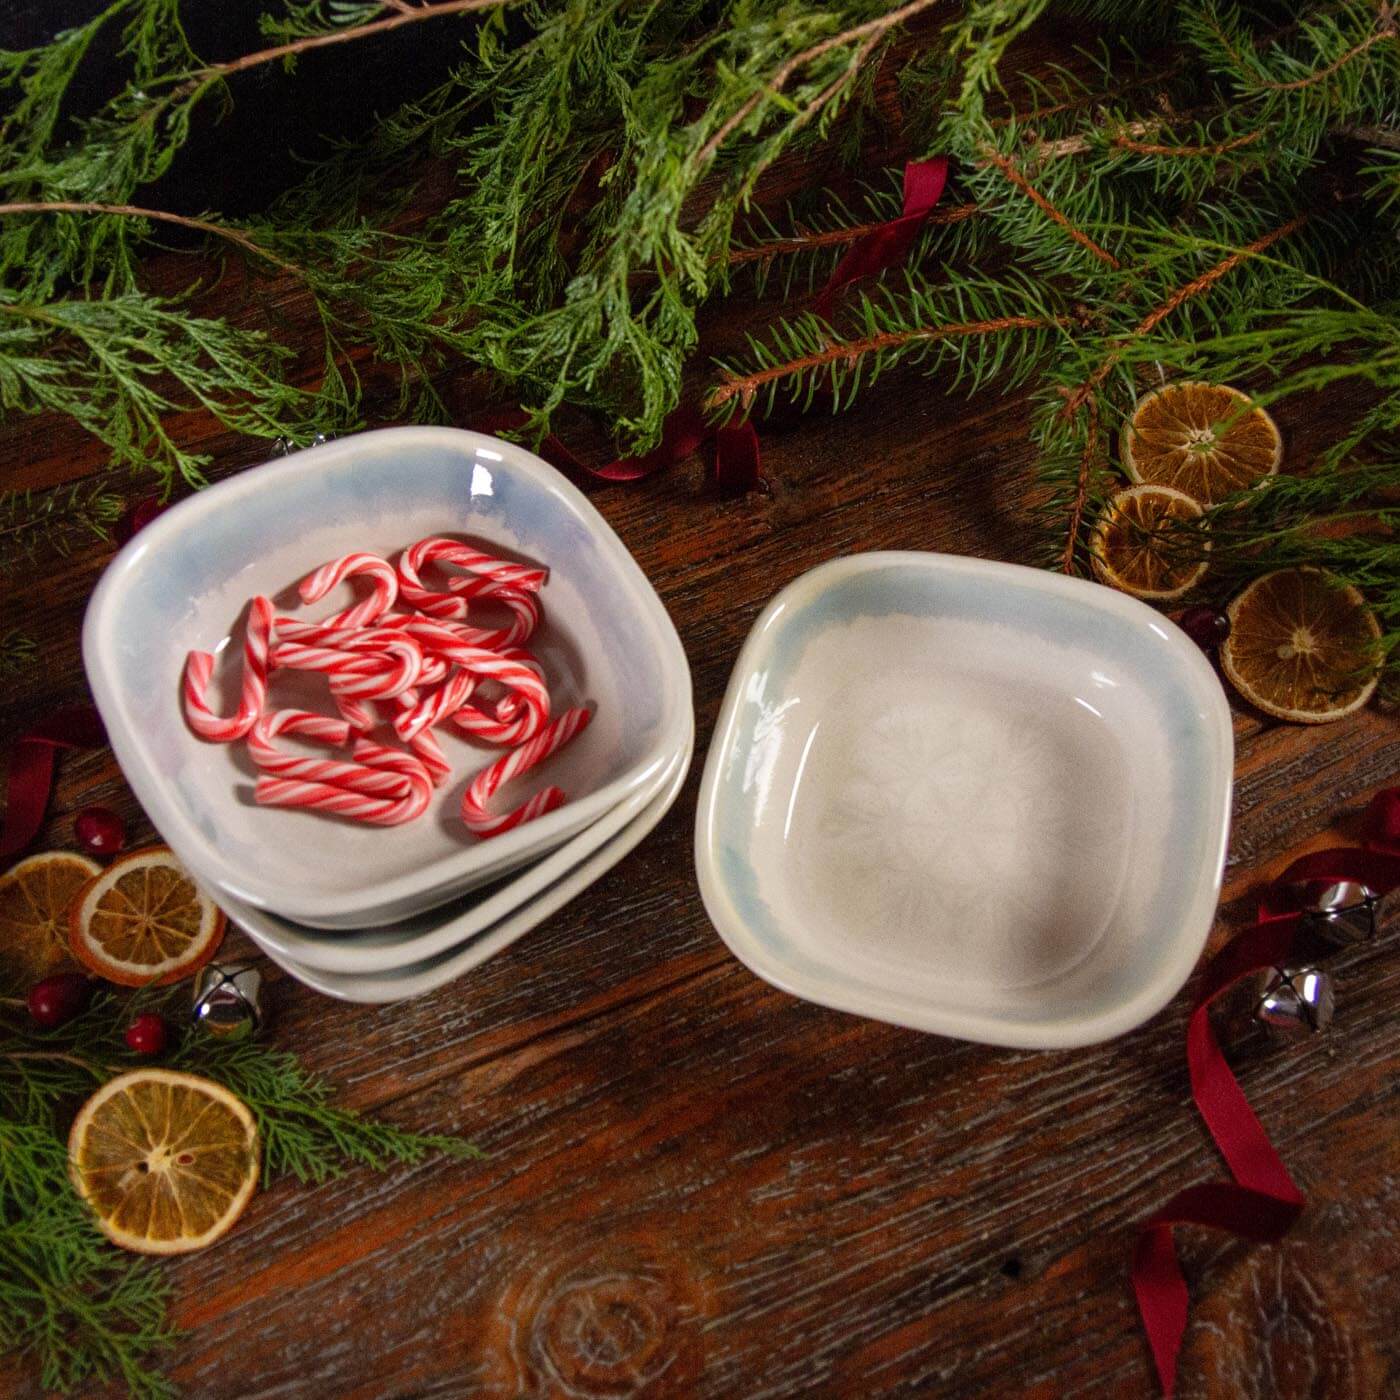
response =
{"points": [[698, 1185]]}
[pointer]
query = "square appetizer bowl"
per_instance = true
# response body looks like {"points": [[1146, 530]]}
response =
{"points": [[968, 797], [184, 581]]}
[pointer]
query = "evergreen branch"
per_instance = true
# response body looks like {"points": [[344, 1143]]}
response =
{"points": [[746, 387], [869, 32], [57, 519], [79, 1306], [131, 211], [303, 1134], [403, 14], [1087, 461], [1009, 169], [838, 237], [1386, 31], [18, 652], [1221, 148], [1076, 400]]}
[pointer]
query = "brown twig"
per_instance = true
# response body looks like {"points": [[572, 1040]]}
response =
{"points": [[1083, 394], [830, 238], [403, 14], [1008, 168], [745, 387], [53, 1055], [1386, 31], [1081, 489], [870, 31], [1145, 148], [131, 211]]}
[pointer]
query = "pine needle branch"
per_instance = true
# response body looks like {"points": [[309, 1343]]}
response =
{"points": [[55, 520], [18, 652]]}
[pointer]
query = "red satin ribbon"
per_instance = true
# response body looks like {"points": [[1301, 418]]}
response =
{"points": [[737, 465], [924, 183], [1263, 1201], [31, 771]]}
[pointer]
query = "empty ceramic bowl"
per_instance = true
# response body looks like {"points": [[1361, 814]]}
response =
{"points": [[968, 797], [183, 583]]}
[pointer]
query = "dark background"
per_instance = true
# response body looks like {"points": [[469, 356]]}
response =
{"points": [[239, 160]]}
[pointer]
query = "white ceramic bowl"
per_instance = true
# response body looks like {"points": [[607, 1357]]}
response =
{"points": [[386, 947], [182, 583], [420, 978], [968, 797]]}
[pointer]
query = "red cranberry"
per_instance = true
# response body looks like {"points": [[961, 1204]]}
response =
{"points": [[147, 1034], [58, 999], [1206, 626], [99, 831]]}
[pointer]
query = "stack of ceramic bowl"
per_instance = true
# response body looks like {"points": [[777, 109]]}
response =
{"points": [[381, 913]]}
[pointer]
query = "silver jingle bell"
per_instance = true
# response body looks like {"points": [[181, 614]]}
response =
{"points": [[1343, 912], [228, 1000], [1296, 1002]]}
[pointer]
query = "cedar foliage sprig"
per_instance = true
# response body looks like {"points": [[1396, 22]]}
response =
{"points": [[69, 1300], [1146, 200]]}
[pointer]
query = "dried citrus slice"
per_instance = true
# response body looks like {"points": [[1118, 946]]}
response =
{"points": [[167, 1161], [1205, 439], [35, 898], [143, 920], [1302, 647], [1132, 546]]}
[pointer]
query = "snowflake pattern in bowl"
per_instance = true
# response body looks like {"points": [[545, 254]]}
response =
{"points": [[967, 797]]}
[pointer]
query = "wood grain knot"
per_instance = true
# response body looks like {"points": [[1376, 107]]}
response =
{"points": [[619, 1320]]}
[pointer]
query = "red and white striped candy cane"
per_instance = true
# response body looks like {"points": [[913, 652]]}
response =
{"points": [[393, 761], [320, 729], [393, 666], [379, 571], [436, 706], [486, 783], [356, 713], [199, 669], [498, 572], [321, 797], [424, 744], [397, 667], [297, 656], [321, 634]]}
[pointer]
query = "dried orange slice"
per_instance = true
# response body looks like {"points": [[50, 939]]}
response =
{"points": [[1132, 546], [35, 899], [167, 1161], [1204, 439], [143, 921], [1302, 646]]}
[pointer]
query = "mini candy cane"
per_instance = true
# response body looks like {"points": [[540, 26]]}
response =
{"points": [[435, 707], [448, 605], [321, 797], [386, 588], [394, 666], [424, 744], [355, 713], [486, 783], [199, 668], [393, 761], [324, 634], [397, 668], [524, 606], [320, 729]]}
